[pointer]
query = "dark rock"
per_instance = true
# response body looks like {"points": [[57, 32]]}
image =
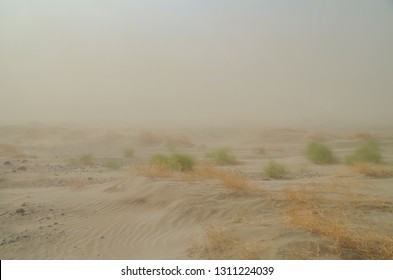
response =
{"points": [[8, 163], [22, 168]]}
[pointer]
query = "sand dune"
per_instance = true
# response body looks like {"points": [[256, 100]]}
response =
{"points": [[55, 206]]}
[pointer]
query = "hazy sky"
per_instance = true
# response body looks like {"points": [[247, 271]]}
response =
{"points": [[196, 61]]}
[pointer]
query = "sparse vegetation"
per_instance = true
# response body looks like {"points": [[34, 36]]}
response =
{"points": [[319, 153], [275, 170], [220, 245], [373, 170], [367, 151], [175, 161], [129, 153], [329, 211], [232, 180], [222, 157], [113, 163]]}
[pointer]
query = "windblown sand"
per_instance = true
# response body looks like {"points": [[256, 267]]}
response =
{"points": [[52, 206]]}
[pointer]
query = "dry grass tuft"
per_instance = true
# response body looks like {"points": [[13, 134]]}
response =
{"points": [[373, 170], [333, 211], [154, 171], [360, 135], [221, 245], [232, 180]]}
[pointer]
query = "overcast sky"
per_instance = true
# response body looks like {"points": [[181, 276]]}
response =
{"points": [[196, 61]]}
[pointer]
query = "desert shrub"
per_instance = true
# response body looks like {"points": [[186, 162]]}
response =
{"points": [[319, 153], [128, 153], [113, 163], [275, 170], [367, 151], [175, 161], [222, 157]]}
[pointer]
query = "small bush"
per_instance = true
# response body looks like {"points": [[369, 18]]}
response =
{"points": [[175, 161], [113, 163], [368, 151], [319, 153], [129, 153], [222, 157], [275, 170]]}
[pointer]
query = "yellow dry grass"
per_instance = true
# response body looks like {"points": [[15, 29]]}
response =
{"points": [[232, 180], [373, 169], [335, 212], [219, 244], [154, 171]]}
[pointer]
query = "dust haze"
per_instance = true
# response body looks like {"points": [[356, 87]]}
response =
{"points": [[164, 63]]}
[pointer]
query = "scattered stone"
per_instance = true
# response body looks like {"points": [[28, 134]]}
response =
{"points": [[51, 209], [20, 211], [22, 168], [48, 218], [8, 163], [62, 214], [23, 204], [55, 223], [90, 178], [101, 236], [24, 161]]}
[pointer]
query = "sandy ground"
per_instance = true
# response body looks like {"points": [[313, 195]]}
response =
{"points": [[52, 207]]}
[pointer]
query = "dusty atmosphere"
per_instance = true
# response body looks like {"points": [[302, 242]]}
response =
{"points": [[196, 129]]}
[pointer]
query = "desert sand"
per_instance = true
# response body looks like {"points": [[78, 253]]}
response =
{"points": [[68, 192]]}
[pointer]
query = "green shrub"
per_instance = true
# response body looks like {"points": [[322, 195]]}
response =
{"points": [[222, 157], [175, 161], [319, 153], [275, 170], [368, 151], [128, 153], [113, 163]]}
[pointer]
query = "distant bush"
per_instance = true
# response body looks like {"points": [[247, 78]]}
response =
{"points": [[113, 163], [128, 153], [368, 151], [275, 170], [222, 157], [175, 161], [319, 153]]}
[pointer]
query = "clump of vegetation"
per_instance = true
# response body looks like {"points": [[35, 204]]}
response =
{"points": [[220, 244], [222, 157], [232, 180], [319, 153], [373, 170], [175, 161], [259, 151], [368, 151], [83, 160], [331, 211], [113, 163], [129, 153], [275, 170]]}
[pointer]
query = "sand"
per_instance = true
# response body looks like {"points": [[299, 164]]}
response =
{"points": [[55, 206]]}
